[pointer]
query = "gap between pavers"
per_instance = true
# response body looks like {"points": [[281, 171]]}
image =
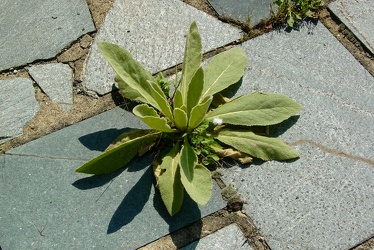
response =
{"points": [[39, 189], [358, 16], [324, 199], [154, 32]]}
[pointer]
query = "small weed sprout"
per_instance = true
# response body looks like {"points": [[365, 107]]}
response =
{"points": [[291, 11], [187, 131]]}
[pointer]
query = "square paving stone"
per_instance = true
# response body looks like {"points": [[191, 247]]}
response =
{"points": [[323, 200], [46, 205], [358, 16]]}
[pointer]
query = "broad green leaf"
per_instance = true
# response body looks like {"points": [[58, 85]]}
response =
{"points": [[178, 99], [192, 58], [188, 160], [195, 178], [150, 117], [180, 119], [161, 100], [169, 182], [128, 92], [256, 109], [198, 113], [194, 90], [224, 70], [129, 70], [120, 152], [261, 147]]}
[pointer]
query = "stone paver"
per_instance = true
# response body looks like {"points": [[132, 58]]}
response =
{"points": [[154, 33], [324, 200], [358, 16], [228, 238], [33, 30], [39, 189], [56, 80], [17, 106], [244, 10]]}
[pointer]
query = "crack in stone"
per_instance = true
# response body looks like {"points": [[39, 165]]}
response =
{"points": [[332, 151], [47, 157]]}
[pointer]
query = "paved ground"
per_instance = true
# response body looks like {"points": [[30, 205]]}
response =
{"points": [[324, 200]]}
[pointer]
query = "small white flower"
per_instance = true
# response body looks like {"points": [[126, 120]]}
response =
{"points": [[217, 121]]}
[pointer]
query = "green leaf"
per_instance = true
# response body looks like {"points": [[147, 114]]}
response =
{"points": [[120, 152], [162, 103], [256, 109], [127, 92], [195, 178], [169, 182], [130, 71], [178, 99], [290, 20], [192, 58], [224, 70], [261, 147], [150, 117], [194, 90], [180, 119], [198, 113]]}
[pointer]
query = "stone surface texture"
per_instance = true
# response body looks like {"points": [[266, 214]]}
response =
{"points": [[154, 33], [227, 238], [41, 191], [358, 16], [244, 10], [56, 80], [17, 106], [34, 30], [323, 200]]}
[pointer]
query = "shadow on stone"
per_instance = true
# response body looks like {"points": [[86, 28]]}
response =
{"points": [[133, 203], [95, 181], [189, 213], [100, 140], [280, 128]]}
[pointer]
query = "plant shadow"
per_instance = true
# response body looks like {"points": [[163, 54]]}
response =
{"points": [[100, 140], [280, 128]]}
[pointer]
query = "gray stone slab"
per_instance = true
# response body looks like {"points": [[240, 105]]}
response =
{"points": [[33, 30], [244, 10], [154, 33], [323, 200], [358, 16], [17, 106], [56, 80], [118, 211], [227, 238]]}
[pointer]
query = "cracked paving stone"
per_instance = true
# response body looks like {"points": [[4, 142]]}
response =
{"points": [[35, 30], [39, 188], [323, 200], [154, 33], [56, 80], [17, 106]]}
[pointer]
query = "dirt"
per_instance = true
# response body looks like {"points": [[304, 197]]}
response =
{"points": [[51, 118]]}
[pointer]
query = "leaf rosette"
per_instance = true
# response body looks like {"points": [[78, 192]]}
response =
{"points": [[194, 126]]}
